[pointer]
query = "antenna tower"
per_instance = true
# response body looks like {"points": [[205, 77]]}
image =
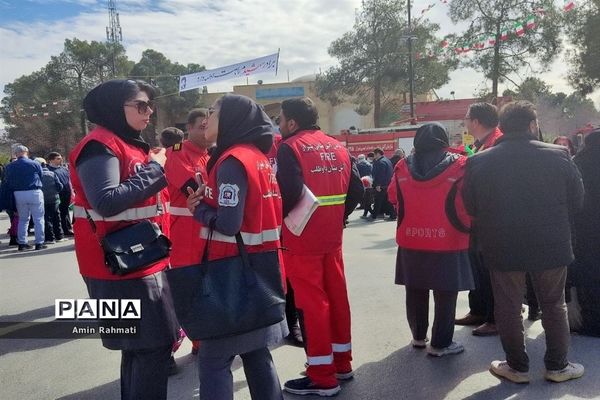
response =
{"points": [[114, 34]]}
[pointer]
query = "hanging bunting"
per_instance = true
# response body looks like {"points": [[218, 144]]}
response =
{"points": [[504, 35], [519, 30], [569, 5], [492, 40], [530, 23]]}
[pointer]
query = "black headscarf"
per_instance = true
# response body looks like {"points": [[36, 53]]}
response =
{"points": [[241, 120], [104, 106], [430, 159]]}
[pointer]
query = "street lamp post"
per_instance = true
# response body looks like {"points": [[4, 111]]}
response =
{"points": [[411, 77]]}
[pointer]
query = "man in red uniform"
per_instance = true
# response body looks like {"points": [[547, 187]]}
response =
{"points": [[482, 122], [185, 166], [313, 260]]}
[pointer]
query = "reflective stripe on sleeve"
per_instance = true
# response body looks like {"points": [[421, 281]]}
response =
{"points": [[250, 239], [332, 200], [180, 211], [320, 360], [340, 348], [131, 214]]}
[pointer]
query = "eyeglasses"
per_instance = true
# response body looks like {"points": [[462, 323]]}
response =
{"points": [[142, 106]]}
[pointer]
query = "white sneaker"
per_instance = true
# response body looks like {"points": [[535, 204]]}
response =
{"points": [[503, 370], [419, 344], [454, 348], [571, 371]]}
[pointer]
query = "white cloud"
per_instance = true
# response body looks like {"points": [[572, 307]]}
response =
{"points": [[219, 33]]}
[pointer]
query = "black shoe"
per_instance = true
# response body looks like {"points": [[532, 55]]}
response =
{"points": [[25, 247], [305, 386], [534, 315], [40, 246], [295, 337], [69, 234], [173, 369], [13, 241]]}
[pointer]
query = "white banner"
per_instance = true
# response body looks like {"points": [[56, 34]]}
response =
{"points": [[246, 68]]}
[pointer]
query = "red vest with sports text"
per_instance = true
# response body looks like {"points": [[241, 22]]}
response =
{"points": [[326, 170], [426, 225], [87, 247], [262, 208], [184, 161]]}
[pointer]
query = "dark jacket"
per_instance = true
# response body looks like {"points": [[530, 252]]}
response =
{"points": [[586, 268], [63, 176], [23, 174], [364, 168], [523, 195], [382, 172], [51, 186]]}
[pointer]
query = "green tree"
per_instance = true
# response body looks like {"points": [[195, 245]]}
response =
{"points": [[154, 67], [83, 65], [503, 56], [373, 59], [583, 28], [43, 109]]}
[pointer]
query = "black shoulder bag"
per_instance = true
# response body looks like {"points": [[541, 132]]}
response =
{"points": [[134, 247], [229, 296]]}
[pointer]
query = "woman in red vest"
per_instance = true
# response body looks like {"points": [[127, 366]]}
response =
{"points": [[117, 182], [241, 195], [432, 237]]}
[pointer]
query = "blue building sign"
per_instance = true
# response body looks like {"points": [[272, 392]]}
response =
{"points": [[277, 93]]}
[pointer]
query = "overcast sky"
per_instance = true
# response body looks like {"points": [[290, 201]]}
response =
{"points": [[210, 33]]}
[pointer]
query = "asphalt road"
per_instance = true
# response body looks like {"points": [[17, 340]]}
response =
{"points": [[386, 366]]}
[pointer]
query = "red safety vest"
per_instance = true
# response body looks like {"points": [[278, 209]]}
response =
{"points": [[184, 160], [326, 170], [490, 140], [262, 209], [87, 247], [425, 225], [272, 156]]}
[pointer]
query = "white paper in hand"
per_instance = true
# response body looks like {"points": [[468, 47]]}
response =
{"points": [[297, 219]]}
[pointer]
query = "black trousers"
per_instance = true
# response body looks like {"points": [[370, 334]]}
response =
{"points": [[291, 313], [65, 215], [144, 373], [52, 229], [481, 300], [382, 204], [417, 312], [367, 202]]}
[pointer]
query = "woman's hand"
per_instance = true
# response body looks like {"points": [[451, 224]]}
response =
{"points": [[194, 198], [159, 156]]}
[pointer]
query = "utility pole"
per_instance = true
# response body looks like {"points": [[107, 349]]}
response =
{"points": [[411, 74], [114, 35]]}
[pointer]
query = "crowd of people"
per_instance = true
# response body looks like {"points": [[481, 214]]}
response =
{"points": [[36, 193], [514, 223]]}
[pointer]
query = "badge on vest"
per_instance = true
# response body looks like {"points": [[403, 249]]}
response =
{"points": [[229, 195]]}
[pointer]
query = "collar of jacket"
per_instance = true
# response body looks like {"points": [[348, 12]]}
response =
{"points": [[296, 132], [524, 136]]}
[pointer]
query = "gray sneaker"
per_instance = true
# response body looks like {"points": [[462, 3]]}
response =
{"points": [[454, 348], [571, 371], [419, 344], [503, 370]]}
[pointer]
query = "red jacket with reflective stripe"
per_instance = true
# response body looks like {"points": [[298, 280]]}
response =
{"points": [[326, 170], [425, 224], [183, 162], [262, 208], [87, 247]]}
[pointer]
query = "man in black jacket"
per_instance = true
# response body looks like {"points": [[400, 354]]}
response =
{"points": [[522, 195], [382, 176]]}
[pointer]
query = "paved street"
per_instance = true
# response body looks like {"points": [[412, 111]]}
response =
{"points": [[385, 364]]}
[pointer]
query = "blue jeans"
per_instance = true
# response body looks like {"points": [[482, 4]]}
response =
{"points": [[30, 203]]}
